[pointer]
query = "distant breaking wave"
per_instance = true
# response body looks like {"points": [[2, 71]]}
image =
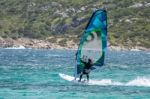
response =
{"points": [[148, 53], [139, 81], [16, 47]]}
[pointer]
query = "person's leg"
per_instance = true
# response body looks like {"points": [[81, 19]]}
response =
{"points": [[87, 77], [80, 77]]}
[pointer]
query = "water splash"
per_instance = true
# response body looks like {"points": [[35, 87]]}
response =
{"points": [[139, 81]]}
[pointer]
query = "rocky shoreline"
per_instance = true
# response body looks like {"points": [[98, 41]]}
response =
{"points": [[46, 44], [34, 43]]}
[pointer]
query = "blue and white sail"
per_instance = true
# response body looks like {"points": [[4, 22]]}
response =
{"points": [[93, 42]]}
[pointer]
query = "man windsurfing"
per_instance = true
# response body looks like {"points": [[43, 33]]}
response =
{"points": [[86, 69]]}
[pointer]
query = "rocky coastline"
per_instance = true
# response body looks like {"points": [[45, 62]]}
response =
{"points": [[46, 44], [35, 44]]}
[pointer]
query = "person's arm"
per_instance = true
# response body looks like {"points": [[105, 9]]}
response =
{"points": [[82, 61]]}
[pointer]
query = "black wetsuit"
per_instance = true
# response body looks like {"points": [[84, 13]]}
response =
{"points": [[86, 69]]}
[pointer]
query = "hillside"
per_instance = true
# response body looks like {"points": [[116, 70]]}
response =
{"points": [[128, 20]]}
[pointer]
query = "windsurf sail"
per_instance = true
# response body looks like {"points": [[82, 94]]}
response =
{"points": [[93, 42]]}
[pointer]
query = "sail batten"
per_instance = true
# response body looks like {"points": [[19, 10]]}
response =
{"points": [[94, 41]]}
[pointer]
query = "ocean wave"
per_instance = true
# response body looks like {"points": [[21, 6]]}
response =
{"points": [[139, 81], [16, 47], [148, 53]]}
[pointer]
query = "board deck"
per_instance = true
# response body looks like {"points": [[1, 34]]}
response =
{"points": [[102, 82], [72, 79]]}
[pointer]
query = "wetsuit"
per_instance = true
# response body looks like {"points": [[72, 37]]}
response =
{"points": [[86, 69]]}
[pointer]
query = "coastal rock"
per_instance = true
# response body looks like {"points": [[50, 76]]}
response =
{"points": [[58, 44], [8, 42]]}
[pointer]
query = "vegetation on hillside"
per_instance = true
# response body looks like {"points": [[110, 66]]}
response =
{"points": [[128, 20]]}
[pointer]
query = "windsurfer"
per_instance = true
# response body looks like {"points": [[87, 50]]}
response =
{"points": [[86, 69]]}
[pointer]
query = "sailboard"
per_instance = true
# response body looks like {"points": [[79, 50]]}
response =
{"points": [[83, 82], [93, 42], [72, 79]]}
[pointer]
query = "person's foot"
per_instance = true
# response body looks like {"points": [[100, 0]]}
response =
{"points": [[79, 80]]}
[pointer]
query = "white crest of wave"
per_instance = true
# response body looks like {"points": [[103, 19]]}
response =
{"points": [[105, 82], [16, 47], [139, 81]]}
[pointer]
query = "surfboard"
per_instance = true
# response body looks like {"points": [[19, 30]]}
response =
{"points": [[72, 79], [102, 82]]}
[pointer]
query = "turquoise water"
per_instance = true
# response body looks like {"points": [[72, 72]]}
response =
{"points": [[33, 74]]}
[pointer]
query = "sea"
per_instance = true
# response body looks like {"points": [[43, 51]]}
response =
{"points": [[34, 74]]}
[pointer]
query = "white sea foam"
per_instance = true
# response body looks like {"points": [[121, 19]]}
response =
{"points": [[16, 47], [148, 53], [105, 82], [135, 49], [139, 81], [54, 55]]}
